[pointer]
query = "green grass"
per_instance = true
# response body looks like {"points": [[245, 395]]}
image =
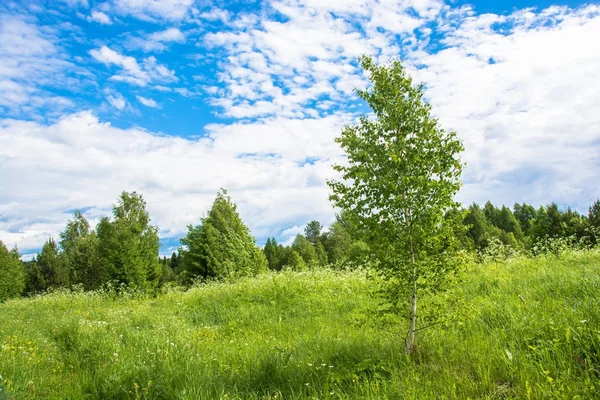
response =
{"points": [[530, 328]]}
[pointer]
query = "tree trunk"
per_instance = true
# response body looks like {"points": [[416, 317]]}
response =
{"points": [[413, 303]]}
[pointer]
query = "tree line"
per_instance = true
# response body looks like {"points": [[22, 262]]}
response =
{"points": [[123, 249]]}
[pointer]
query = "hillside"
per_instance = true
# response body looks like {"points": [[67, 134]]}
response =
{"points": [[528, 328]]}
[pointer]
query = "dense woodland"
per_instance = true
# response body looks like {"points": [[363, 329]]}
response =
{"points": [[123, 250]]}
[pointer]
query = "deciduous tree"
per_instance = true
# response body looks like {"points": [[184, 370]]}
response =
{"points": [[401, 175]]}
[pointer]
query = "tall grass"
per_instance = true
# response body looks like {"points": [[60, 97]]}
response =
{"points": [[528, 328]]}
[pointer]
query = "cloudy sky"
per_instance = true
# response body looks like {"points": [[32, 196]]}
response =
{"points": [[178, 98]]}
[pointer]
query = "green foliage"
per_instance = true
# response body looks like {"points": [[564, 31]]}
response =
{"points": [[401, 176], [337, 243], [508, 223], [80, 247], [528, 329], [594, 214], [305, 249], [525, 214], [321, 254], [312, 232], [12, 274], [128, 245], [478, 226], [221, 246], [294, 262], [273, 254], [53, 266]]}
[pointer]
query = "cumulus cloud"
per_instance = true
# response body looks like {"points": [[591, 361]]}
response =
{"points": [[157, 41], [131, 71], [87, 163], [518, 88], [168, 35], [521, 101], [100, 17]]}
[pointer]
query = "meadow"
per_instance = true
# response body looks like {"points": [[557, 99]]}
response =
{"points": [[527, 328]]}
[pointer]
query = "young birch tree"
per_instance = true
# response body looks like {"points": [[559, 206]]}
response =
{"points": [[401, 175]]}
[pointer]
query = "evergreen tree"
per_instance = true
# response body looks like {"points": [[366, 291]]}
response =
{"points": [[12, 274], [53, 267], [175, 264], [594, 215], [221, 246], [594, 221], [548, 223], [273, 254], [312, 232], [128, 245]]}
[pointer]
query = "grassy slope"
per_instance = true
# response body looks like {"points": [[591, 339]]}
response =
{"points": [[531, 330]]}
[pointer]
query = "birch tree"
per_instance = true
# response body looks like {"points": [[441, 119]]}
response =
{"points": [[401, 175]]}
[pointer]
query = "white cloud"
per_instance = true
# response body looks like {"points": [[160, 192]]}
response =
{"points": [[157, 41], [520, 89], [131, 71], [76, 3], [100, 17], [522, 102], [153, 10], [30, 64], [261, 164], [148, 102], [116, 100], [168, 35]]}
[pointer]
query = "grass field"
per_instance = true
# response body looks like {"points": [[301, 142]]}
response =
{"points": [[530, 328]]}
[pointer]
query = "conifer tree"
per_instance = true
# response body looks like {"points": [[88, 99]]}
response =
{"points": [[221, 246], [128, 244], [12, 274]]}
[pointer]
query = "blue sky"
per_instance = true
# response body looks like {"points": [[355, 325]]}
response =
{"points": [[178, 98]]}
